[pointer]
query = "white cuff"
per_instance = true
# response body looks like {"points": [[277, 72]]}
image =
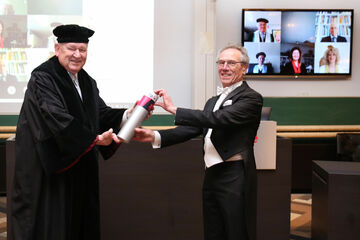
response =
{"points": [[157, 140]]}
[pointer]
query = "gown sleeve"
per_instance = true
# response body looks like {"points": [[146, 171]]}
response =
{"points": [[109, 118]]}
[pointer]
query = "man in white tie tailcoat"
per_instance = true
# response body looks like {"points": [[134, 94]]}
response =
{"points": [[229, 124]]}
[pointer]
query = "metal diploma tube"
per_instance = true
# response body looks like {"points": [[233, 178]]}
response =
{"points": [[137, 116]]}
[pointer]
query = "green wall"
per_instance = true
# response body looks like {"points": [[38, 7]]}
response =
{"points": [[315, 111], [285, 110], [8, 120]]}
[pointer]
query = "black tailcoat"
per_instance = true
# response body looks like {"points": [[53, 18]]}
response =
{"points": [[234, 131]]}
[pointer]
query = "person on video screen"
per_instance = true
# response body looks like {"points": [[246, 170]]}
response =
{"points": [[1, 34], [333, 37], [294, 66], [261, 67], [262, 35], [329, 63]]}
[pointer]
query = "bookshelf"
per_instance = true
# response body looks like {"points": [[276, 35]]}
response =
{"points": [[14, 60], [323, 21]]}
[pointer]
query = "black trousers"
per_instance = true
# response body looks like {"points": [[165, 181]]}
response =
{"points": [[223, 202]]}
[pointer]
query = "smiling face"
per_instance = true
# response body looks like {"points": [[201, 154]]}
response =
{"points": [[296, 55], [230, 75], [261, 59], [331, 57], [72, 56], [333, 30], [262, 26]]}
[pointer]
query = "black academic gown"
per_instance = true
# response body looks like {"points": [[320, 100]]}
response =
{"points": [[56, 189]]}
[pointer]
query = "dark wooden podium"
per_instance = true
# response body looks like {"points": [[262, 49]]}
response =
{"points": [[156, 194], [335, 200]]}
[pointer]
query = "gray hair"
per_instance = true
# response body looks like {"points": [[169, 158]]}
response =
{"points": [[244, 53]]}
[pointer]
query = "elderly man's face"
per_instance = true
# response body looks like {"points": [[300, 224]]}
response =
{"points": [[230, 75], [262, 26], [72, 56], [333, 30]]}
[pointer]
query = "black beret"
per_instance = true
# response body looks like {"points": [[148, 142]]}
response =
{"points": [[262, 20], [260, 53], [72, 33]]}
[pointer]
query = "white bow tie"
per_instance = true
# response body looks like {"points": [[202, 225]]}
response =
{"points": [[221, 90]]}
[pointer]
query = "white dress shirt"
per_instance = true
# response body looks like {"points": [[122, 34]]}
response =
{"points": [[260, 68], [257, 36], [75, 80], [211, 156]]}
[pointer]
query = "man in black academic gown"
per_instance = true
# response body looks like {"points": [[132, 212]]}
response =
{"points": [[62, 125], [229, 124]]}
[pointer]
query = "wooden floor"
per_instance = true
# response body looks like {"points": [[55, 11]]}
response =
{"points": [[300, 217], [2, 218]]}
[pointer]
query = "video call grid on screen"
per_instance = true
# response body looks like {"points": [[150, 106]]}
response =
{"points": [[26, 40], [307, 31]]}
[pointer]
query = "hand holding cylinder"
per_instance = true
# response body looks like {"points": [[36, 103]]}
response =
{"points": [[167, 103], [141, 112]]}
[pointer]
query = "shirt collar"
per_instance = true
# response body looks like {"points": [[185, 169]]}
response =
{"points": [[228, 90], [234, 86], [73, 77]]}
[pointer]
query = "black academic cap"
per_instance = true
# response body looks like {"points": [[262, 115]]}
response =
{"points": [[260, 53], [72, 33], [262, 20]]}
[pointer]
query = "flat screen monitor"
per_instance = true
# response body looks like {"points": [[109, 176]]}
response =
{"points": [[298, 42]]}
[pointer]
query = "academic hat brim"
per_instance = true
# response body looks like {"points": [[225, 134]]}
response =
{"points": [[72, 33], [262, 20], [260, 53]]}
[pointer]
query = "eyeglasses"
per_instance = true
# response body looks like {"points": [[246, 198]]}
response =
{"points": [[230, 64]]}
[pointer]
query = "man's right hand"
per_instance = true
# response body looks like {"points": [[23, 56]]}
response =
{"points": [[167, 103], [144, 135], [107, 137]]}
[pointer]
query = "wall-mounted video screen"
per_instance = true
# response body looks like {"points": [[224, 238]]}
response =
{"points": [[296, 42]]}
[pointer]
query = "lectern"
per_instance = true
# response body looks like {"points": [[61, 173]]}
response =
{"points": [[335, 200]]}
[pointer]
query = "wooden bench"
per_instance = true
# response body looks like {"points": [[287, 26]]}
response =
{"points": [[7, 131]]}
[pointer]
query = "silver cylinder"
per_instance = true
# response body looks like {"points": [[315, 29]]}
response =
{"points": [[137, 117]]}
